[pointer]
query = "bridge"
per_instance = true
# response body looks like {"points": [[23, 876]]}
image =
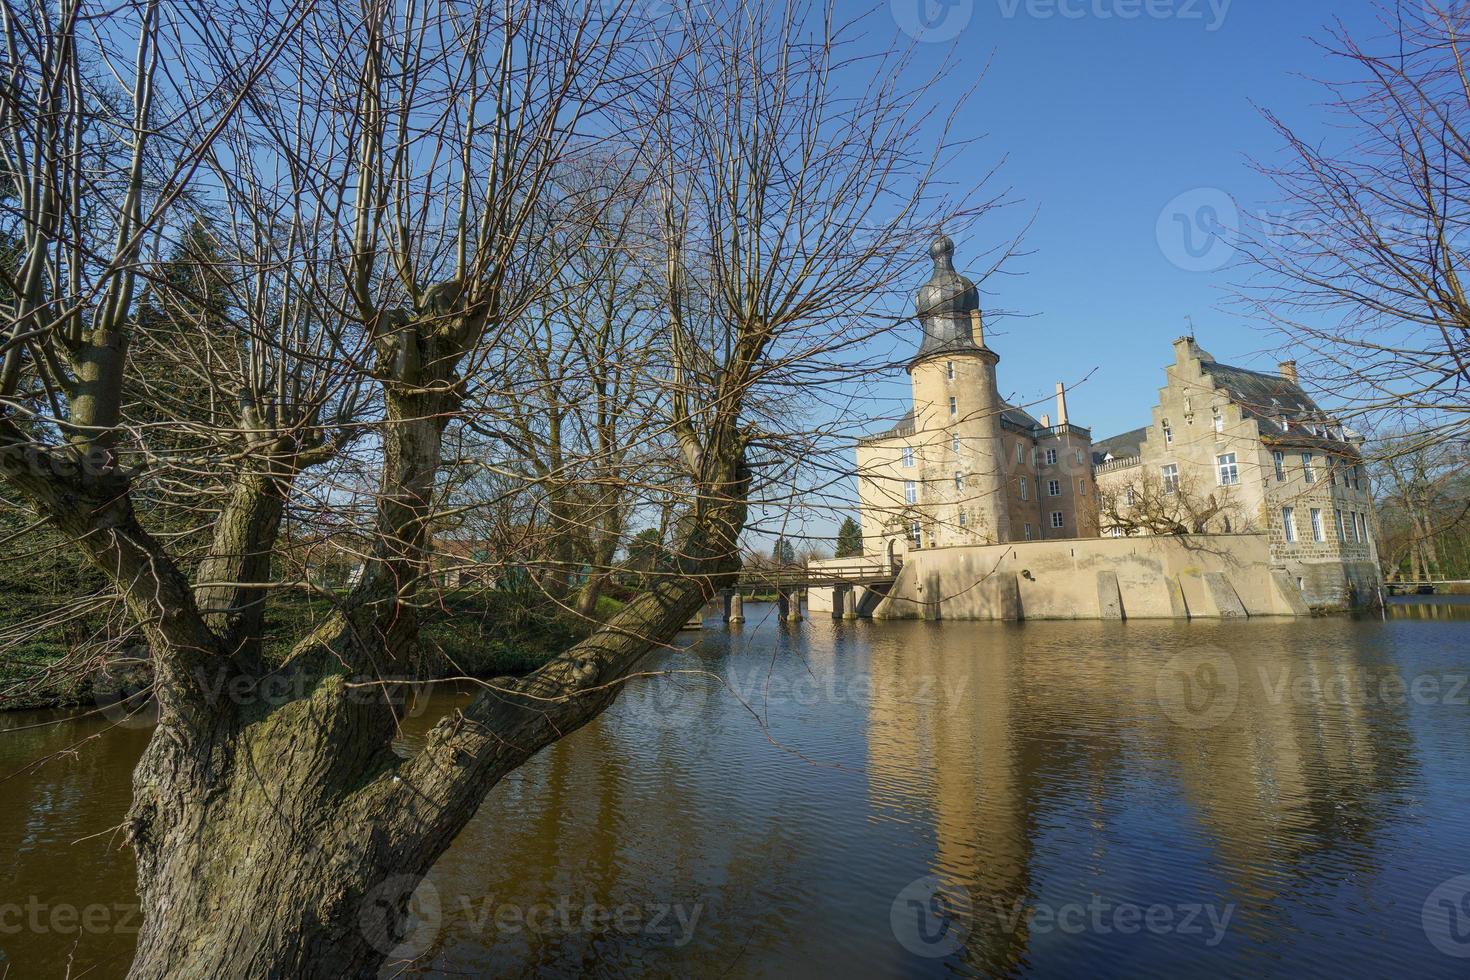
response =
{"points": [[850, 579], [1428, 587]]}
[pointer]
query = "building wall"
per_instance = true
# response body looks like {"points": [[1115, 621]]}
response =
{"points": [[1214, 576], [1331, 572], [1028, 479]]}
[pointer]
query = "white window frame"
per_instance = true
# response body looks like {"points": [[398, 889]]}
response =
{"points": [[1051, 457], [908, 458], [962, 517], [1279, 458], [1317, 534], [1168, 432], [1025, 490], [1129, 496], [1362, 526], [1169, 472], [1057, 520], [1288, 524], [954, 442], [1227, 473], [1053, 488], [949, 370], [1220, 424], [1028, 532], [1308, 472], [1020, 453], [910, 492], [954, 406], [959, 482]]}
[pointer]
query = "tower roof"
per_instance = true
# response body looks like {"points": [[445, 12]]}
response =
{"points": [[946, 306]]}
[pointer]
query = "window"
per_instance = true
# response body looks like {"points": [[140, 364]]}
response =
{"points": [[949, 370], [1020, 453], [1342, 533], [911, 491], [1219, 423], [1129, 495], [1331, 473], [1051, 457], [1168, 433], [954, 406], [1081, 487], [1317, 525], [1362, 525], [1288, 524], [908, 457], [1079, 457], [959, 481], [914, 533], [1028, 532], [1352, 477], [954, 442], [1309, 474], [1024, 489], [962, 518], [1228, 469], [1279, 459], [1227, 525], [1056, 518], [1285, 424], [1171, 478], [1053, 488]]}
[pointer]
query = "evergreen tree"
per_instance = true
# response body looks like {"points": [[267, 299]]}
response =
{"points": [[784, 553], [849, 539]]}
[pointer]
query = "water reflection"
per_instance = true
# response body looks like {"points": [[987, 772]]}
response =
{"points": [[918, 799]]}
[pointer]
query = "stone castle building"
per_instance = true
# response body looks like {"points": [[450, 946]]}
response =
{"points": [[963, 467], [1229, 451], [1239, 451]]}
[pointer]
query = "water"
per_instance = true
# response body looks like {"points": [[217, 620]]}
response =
{"points": [[1274, 797]]}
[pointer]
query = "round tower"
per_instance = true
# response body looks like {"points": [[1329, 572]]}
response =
{"points": [[957, 411]]}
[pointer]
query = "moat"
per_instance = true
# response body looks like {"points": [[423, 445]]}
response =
{"points": [[1277, 797]]}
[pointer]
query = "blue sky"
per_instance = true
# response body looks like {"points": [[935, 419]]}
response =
{"points": [[1106, 121]]}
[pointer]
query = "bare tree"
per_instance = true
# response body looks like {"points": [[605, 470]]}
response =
{"points": [[1361, 265], [1146, 505], [378, 173]]}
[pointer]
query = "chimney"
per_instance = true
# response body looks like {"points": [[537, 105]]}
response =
{"points": [[1046, 421], [1061, 404], [977, 328], [1288, 371]]}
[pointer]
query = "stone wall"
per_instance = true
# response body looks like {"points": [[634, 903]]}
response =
{"points": [[1206, 576]]}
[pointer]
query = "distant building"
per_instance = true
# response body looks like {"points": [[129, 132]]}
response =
{"points": [[963, 467], [1258, 455]]}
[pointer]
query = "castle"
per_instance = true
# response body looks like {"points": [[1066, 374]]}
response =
{"points": [[1245, 459]]}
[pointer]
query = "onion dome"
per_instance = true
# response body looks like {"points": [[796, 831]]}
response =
{"points": [[947, 307]]}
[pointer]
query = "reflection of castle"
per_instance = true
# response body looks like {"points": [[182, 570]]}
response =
{"points": [[1042, 762]]}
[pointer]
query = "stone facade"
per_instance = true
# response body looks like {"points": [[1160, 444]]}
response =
{"points": [[1260, 447]]}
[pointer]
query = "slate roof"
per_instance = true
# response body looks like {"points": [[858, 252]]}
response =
{"points": [[1120, 446], [1284, 412], [1017, 419]]}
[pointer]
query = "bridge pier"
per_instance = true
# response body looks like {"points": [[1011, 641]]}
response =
{"points": [[849, 602], [789, 604], [734, 608]]}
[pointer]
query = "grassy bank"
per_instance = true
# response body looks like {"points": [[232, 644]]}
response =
{"points": [[475, 634]]}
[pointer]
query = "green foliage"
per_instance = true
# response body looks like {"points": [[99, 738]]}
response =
{"points": [[784, 552], [849, 539]]}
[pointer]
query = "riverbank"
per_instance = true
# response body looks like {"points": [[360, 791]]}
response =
{"points": [[470, 634]]}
